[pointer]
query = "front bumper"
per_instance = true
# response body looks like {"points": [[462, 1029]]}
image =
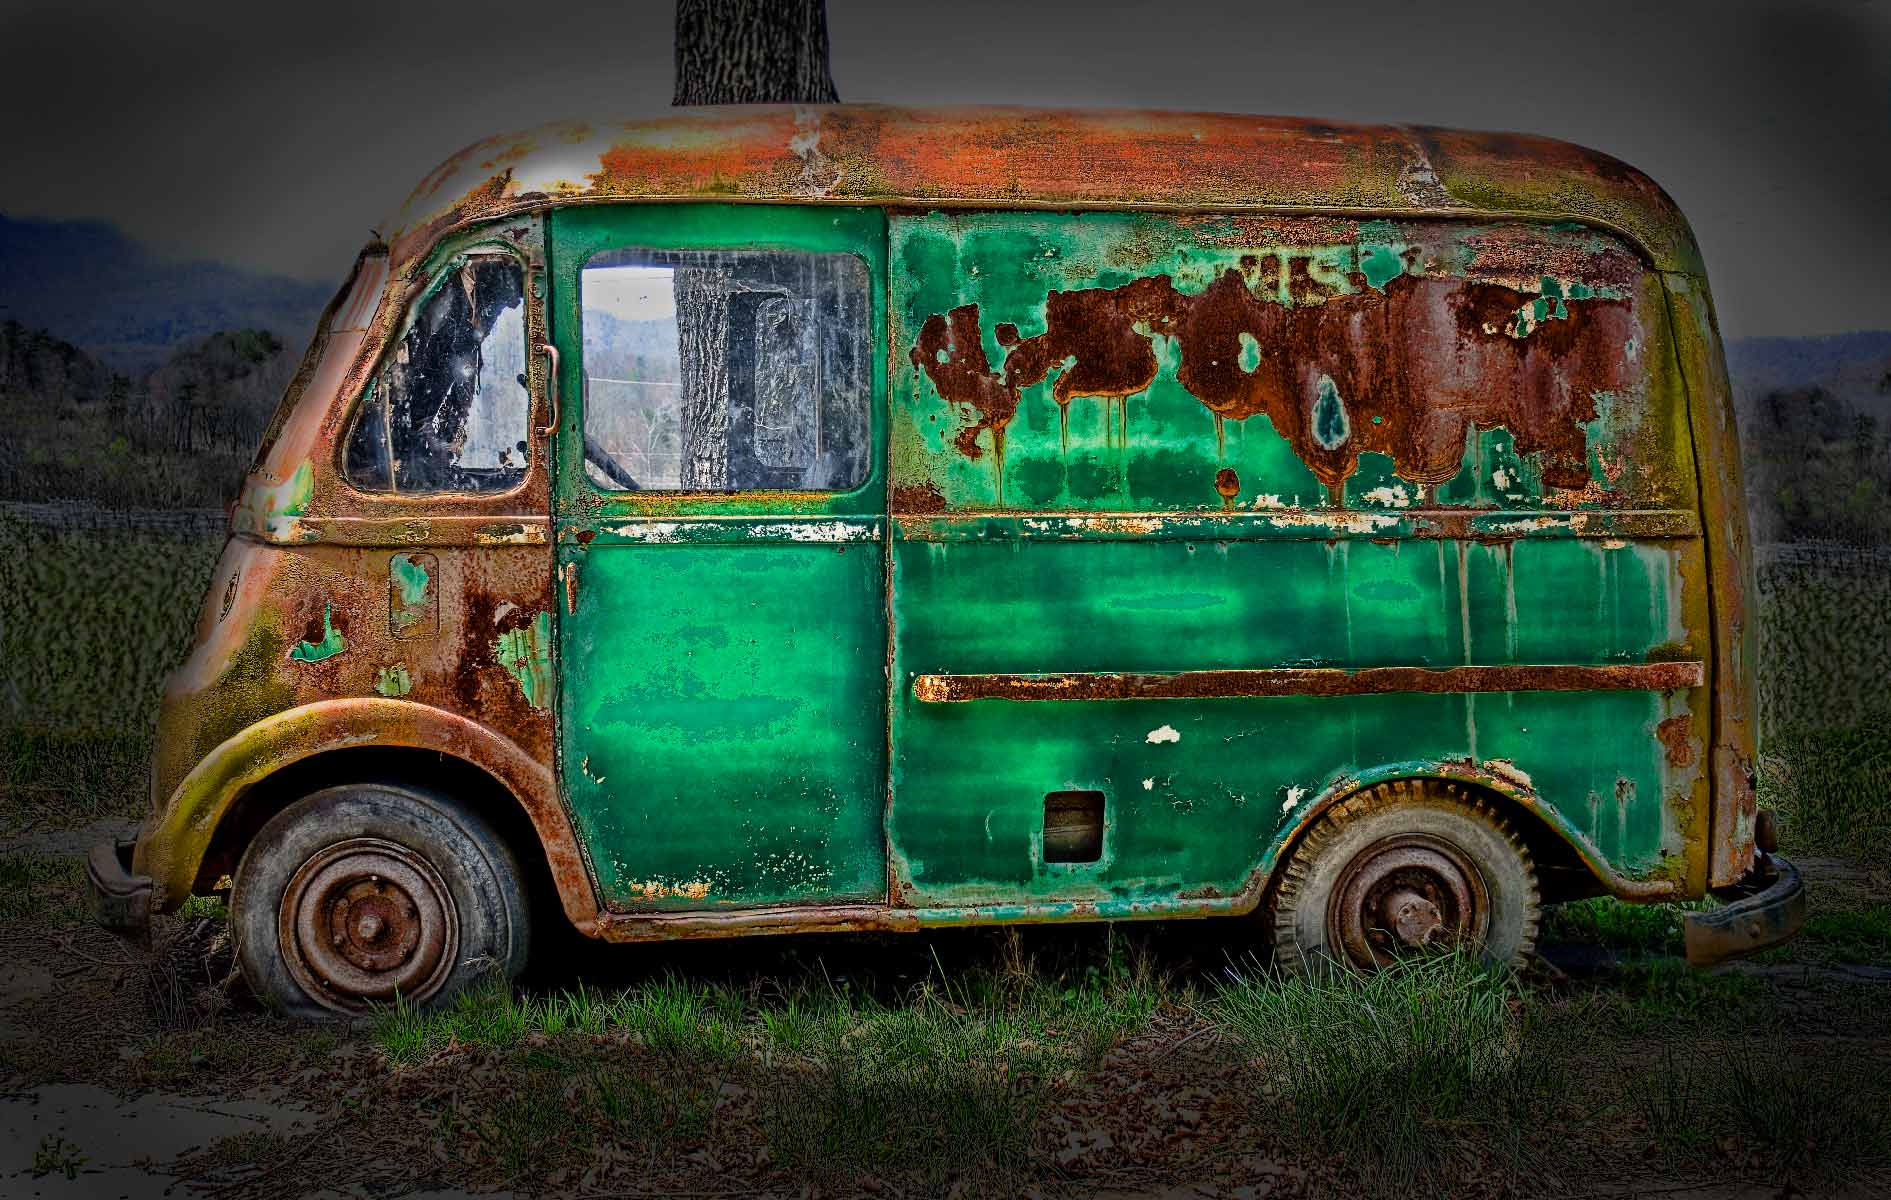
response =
{"points": [[1764, 909], [120, 901]]}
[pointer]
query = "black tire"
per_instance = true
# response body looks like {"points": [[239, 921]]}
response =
{"points": [[358, 892], [1403, 867]]}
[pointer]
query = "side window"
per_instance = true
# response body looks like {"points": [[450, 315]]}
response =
{"points": [[449, 411], [724, 371]]}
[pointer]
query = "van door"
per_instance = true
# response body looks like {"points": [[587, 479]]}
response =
{"points": [[720, 511]]}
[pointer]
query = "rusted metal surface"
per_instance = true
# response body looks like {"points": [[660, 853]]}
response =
{"points": [[1016, 158], [1484, 526], [1404, 894], [1313, 681], [419, 613], [1732, 737], [1402, 368], [170, 850], [1767, 907], [1340, 374], [120, 900], [1170, 471], [365, 920]]}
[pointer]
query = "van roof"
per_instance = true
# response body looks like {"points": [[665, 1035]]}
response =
{"points": [[1052, 158]]}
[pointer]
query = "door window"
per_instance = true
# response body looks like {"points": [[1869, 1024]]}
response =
{"points": [[449, 410], [725, 371]]}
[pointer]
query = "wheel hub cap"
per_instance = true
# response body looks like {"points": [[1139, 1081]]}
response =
{"points": [[1407, 894], [365, 919]]}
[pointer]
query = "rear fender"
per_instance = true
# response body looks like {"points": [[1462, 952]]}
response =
{"points": [[1510, 787]]}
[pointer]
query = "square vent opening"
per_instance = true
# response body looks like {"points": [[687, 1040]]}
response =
{"points": [[1073, 827]]}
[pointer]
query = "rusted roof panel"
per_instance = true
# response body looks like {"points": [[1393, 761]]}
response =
{"points": [[984, 157]]}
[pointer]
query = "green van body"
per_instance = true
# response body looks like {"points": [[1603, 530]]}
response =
{"points": [[1216, 469], [727, 691]]}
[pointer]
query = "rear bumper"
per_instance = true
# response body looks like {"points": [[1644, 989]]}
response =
{"points": [[1764, 909], [120, 901]]}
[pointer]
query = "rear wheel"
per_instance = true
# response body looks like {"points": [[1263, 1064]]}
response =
{"points": [[1406, 868], [357, 894]]}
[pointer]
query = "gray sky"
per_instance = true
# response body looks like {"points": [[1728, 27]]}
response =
{"points": [[276, 136]]}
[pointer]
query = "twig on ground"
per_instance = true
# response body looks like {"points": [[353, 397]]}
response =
{"points": [[308, 1143]]}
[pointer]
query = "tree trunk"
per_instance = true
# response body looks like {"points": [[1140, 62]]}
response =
{"points": [[702, 337], [752, 52], [733, 52]]}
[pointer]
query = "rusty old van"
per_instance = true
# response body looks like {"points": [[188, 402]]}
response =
{"points": [[856, 518]]}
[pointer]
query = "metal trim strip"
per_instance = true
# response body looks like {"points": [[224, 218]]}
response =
{"points": [[1310, 681]]}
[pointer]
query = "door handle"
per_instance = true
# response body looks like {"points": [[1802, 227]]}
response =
{"points": [[551, 386]]}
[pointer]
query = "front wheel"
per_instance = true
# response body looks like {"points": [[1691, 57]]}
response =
{"points": [[1406, 868], [358, 894]]}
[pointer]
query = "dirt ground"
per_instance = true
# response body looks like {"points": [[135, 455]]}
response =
{"points": [[127, 1074]]}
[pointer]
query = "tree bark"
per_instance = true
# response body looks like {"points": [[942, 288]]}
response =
{"points": [[702, 335], [752, 52]]}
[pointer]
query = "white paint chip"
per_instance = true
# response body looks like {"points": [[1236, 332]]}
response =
{"points": [[1149, 784], [1294, 794], [1165, 734]]}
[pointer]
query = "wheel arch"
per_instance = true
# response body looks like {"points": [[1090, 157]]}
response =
{"points": [[1569, 865], [198, 835]]}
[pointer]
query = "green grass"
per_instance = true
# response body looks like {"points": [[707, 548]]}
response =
{"points": [[1659, 996], [1858, 935], [68, 779], [1403, 1073], [56, 1156], [90, 623], [1606, 921], [42, 889], [1810, 1123], [943, 1080], [671, 1017], [1832, 791]]}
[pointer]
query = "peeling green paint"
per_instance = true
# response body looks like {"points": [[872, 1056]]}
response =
{"points": [[1330, 427], [412, 610], [393, 681], [1552, 304], [332, 642], [410, 579], [1381, 264], [526, 655]]}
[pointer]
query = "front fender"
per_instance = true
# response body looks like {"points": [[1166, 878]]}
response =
{"points": [[1511, 785], [174, 841]]}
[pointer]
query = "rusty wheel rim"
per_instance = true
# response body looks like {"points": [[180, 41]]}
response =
{"points": [[1404, 895], [366, 919]]}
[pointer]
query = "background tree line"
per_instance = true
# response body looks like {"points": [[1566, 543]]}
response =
{"points": [[180, 435]]}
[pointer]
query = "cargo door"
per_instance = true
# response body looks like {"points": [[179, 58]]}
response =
{"points": [[720, 515]]}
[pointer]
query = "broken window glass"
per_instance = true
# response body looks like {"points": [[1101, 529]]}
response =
{"points": [[725, 371], [449, 411]]}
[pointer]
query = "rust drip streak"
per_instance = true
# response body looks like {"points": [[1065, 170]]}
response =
{"points": [[1403, 370], [1310, 681]]}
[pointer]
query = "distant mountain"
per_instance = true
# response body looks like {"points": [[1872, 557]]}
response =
{"points": [[1855, 367], [89, 284]]}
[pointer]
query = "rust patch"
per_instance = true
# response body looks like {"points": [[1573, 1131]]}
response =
{"points": [[951, 350], [1228, 486], [1407, 371], [918, 498], [1677, 737]]}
